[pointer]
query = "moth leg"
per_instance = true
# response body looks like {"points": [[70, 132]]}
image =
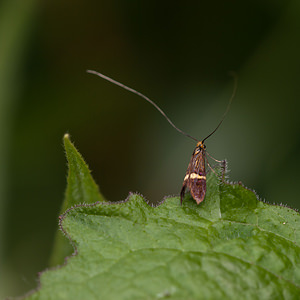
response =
{"points": [[182, 192], [222, 166], [211, 167], [219, 161]]}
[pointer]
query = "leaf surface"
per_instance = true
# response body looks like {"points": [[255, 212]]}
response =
{"points": [[231, 246]]}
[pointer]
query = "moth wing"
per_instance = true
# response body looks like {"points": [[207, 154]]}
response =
{"points": [[196, 180], [186, 179]]}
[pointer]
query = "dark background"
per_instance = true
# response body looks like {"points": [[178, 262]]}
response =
{"points": [[178, 54]]}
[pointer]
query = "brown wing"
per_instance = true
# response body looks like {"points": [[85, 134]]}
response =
{"points": [[195, 177], [186, 179]]}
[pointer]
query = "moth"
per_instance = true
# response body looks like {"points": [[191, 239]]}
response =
{"points": [[195, 176]]}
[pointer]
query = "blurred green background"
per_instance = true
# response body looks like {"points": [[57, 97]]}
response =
{"points": [[177, 54]]}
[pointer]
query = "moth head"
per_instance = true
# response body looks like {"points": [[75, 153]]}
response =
{"points": [[201, 145]]}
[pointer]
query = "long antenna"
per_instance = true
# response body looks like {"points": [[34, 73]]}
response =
{"points": [[233, 74], [144, 97]]}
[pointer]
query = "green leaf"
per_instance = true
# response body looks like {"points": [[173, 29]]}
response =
{"points": [[231, 246], [81, 188]]}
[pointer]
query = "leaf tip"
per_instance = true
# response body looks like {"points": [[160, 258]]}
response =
{"points": [[67, 141], [66, 136]]}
